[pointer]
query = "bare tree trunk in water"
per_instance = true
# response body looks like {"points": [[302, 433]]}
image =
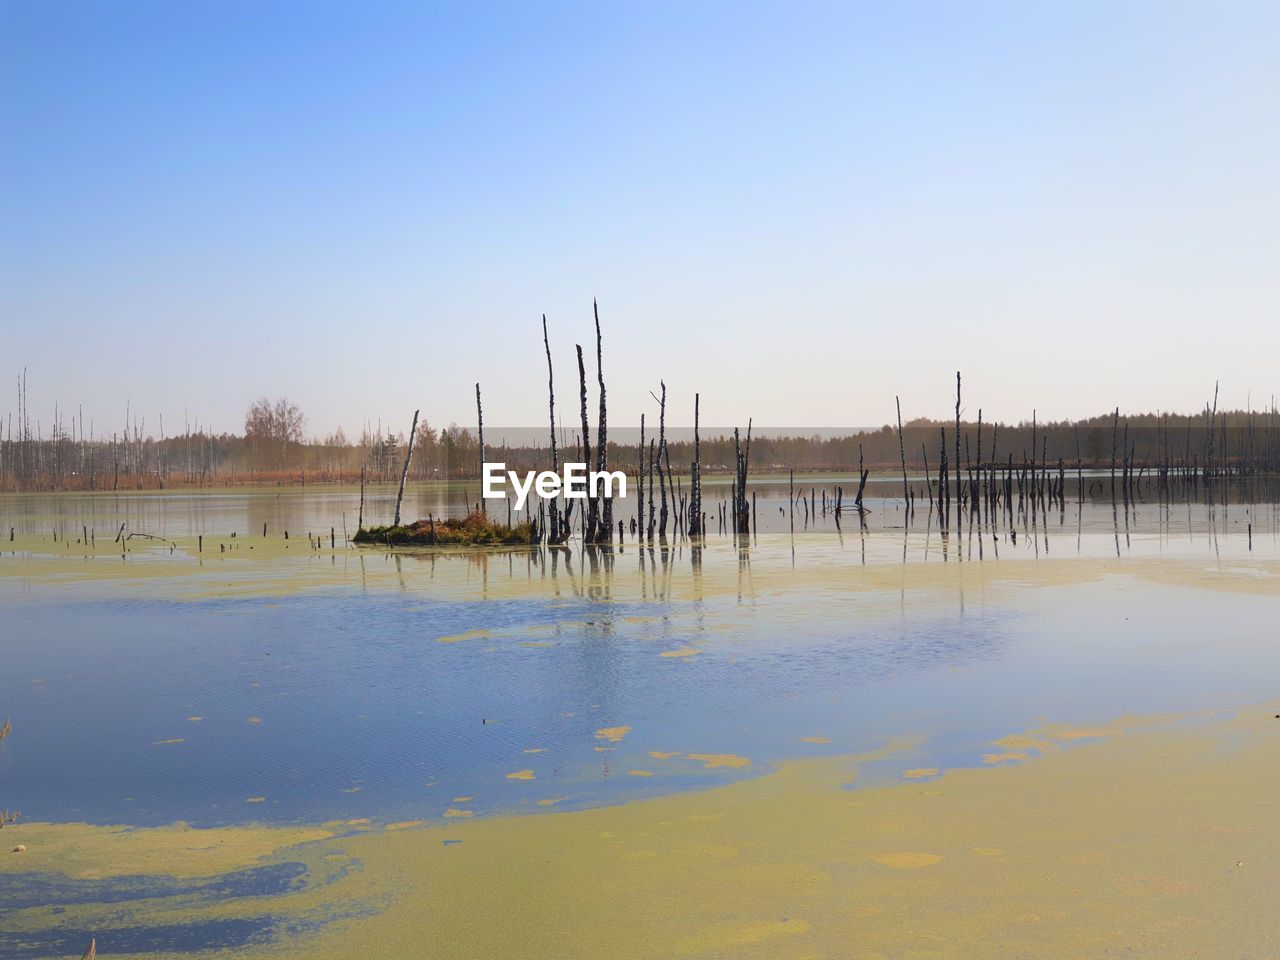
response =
{"points": [[671, 484], [957, 467], [555, 460], [742, 456], [640, 484], [695, 478], [408, 455], [902, 454], [604, 511], [480, 422], [662, 446], [589, 520], [650, 526], [1115, 439], [360, 519]]}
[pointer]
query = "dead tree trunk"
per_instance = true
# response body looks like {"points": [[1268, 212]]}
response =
{"points": [[360, 518], [671, 485], [640, 484], [1115, 440], [480, 428], [695, 478], [604, 509], [408, 456], [555, 460], [742, 457], [662, 446], [902, 454], [957, 461], [591, 518], [650, 526]]}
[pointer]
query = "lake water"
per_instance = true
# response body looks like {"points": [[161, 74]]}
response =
{"points": [[304, 683]]}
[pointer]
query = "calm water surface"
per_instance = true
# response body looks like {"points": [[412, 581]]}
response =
{"points": [[385, 689]]}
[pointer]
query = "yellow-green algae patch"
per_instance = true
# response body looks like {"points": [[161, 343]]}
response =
{"points": [[87, 851], [713, 761], [1154, 842], [612, 734]]}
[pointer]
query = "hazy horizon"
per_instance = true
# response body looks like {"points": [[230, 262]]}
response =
{"points": [[798, 213]]}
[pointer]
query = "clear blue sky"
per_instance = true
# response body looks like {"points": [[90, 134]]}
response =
{"points": [[798, 209]]}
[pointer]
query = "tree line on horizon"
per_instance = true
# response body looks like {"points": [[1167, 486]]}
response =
{"points": [[273, 449]]}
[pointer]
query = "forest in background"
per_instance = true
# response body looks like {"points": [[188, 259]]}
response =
{"points": [[273, 449]]}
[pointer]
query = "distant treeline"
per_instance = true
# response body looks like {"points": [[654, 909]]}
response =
{"points": [[273, 451]]}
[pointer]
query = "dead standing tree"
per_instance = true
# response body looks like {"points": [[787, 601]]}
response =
{"points": [[408, 456], [902, 454], [480, 443], [662, 446], [552, 504], [592, 518], [640, 484], [959, 499], [695, 478], [742, 458], [604, 508]]}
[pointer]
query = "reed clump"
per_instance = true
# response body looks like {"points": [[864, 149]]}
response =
{"points": [[476, 529]]}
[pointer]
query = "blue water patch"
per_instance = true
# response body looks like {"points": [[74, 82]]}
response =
{"points": [[343, 704], [22, 890], [160, 939]]}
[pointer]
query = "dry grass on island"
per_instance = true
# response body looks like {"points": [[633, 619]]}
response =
{"points": [[476, 529]]}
